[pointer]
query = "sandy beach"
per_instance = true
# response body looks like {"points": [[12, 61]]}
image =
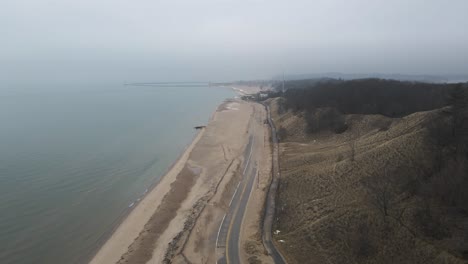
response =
{"points": [[158, 226], [134, 223]]}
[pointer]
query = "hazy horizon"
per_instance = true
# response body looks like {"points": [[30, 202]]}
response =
{"points": [[229, 40], [74, 162]]}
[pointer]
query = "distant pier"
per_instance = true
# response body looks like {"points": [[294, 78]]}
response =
{"points": [[171, 84]]}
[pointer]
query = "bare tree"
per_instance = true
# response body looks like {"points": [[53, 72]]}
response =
{"points": [[380, 192], [440, 135], [282, 133], [352, 146], [352, 141]]}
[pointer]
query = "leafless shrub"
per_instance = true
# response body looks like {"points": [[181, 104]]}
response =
{"points": [[363, 246], [356, 236], [254, 260], [430, 223], [450, 185], [282, 133], [281, 107], [380, 192], [440, 136], [325, 119], [352, 146], [339, 158], [382, 124]]}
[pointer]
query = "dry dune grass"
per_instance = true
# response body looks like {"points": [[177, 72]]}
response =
{"points": [[326, 213]]}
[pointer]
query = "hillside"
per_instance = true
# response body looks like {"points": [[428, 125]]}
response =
{"points": [[360, 195]]}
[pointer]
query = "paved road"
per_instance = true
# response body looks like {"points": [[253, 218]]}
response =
{"points": [[271, 198], [228, 237], [227, 242]]}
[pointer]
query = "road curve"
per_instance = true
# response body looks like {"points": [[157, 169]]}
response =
{"points": [[271, 198], [228, 237]]}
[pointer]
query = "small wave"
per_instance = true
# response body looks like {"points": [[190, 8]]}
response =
{"points": [[131, 205]]}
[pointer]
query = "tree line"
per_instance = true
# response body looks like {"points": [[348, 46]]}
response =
{"points": [[325, 101], [366, 96], [438, 189]]}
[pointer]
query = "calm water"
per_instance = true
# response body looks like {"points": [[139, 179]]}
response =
{"points": [[74, 159]]}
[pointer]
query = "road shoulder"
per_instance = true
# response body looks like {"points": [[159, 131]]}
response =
{"points": [[251, 246]]}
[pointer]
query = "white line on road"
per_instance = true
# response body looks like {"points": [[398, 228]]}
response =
{"points": [[219, 230], [232, 198], [250, 155]]}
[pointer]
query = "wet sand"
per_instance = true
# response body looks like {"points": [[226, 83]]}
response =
{"points": [[129, 230], [160, 222]]}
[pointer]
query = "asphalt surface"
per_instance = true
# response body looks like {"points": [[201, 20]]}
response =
{"points": [[271, 198], [228, 237], [227, 243]]}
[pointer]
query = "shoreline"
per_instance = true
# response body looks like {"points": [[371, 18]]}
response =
{"points": [[119, 221], [105, 251], [119, 240]]}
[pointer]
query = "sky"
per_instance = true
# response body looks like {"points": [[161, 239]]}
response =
{"points": [[221, 40]]}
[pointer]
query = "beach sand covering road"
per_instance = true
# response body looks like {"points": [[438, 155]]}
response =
{"points": [[200, 246], [200, 243], [252, 249], [162, 221]]}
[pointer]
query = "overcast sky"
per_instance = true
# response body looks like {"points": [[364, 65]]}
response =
{"points": [[230, 39]]}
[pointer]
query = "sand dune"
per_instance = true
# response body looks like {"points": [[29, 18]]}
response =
{"points": [[162, 218]]}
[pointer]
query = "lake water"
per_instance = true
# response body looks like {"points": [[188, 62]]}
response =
{"points": [[74, 159]]}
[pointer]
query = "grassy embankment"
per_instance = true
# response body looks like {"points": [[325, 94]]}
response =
{"points": [[369, 188]]}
